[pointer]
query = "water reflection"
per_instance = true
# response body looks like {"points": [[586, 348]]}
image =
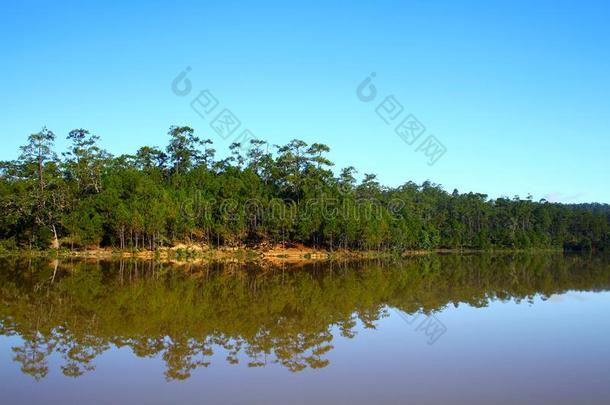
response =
{"points": [[286, 316]]}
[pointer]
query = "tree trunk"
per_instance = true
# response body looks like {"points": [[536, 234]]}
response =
{"points": [[55, 243]]}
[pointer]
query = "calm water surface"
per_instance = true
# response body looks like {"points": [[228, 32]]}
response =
{"points": [[510, 329]]}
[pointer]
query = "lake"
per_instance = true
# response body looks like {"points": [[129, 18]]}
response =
{"points": [[461, 329]]}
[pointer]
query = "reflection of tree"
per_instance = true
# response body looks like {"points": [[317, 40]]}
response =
{"points": [[257, 318], [184, 355], [32, 355], [347, 328], [79, 352]]}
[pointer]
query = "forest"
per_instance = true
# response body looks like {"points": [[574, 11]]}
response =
{"points": [[260, 194]]}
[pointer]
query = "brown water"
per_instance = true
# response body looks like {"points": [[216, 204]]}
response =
{"points": [[478, 329]]}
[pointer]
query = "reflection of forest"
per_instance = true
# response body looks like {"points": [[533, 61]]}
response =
{"points": [[79, 310]]}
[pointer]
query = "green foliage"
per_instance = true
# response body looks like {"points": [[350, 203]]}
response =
{"points": [[85, 224], [160, 197]]}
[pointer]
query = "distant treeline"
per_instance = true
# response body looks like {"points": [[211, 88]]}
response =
{"points": [[259, 194]]}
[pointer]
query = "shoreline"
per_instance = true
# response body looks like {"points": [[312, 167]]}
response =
{"points": [[276, 255]]}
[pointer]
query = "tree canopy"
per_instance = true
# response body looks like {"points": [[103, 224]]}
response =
{"points": [[259, 193]]}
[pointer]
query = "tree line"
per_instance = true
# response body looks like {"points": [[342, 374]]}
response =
{"points": [[260, 193]]}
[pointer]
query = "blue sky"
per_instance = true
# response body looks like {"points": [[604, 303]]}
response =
{"points": [[517, 91]]}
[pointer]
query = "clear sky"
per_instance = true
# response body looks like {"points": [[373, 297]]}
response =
{"points": [[517, 91]]}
